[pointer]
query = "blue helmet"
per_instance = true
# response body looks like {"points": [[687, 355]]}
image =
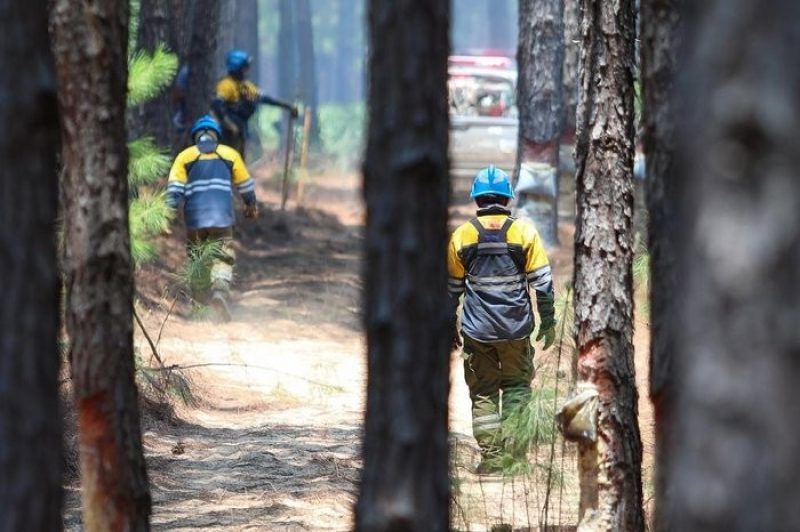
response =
{"points": [[206, 122], [492, 180], [237, 60]]}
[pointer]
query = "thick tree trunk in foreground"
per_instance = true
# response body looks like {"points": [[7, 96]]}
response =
{"points": [[736, 453], [156, 27], [572, 59], [202, 47], [610, 467], [660, 25], [30, 422], [540, 57], [90, 46], [405, 484]]}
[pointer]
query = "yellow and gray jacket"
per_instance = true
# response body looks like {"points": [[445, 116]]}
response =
{"points": [[494, 260], [205, 182]]}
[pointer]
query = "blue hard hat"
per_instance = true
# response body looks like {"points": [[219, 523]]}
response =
{"points": [[492, 180], [206, 122], [237, 60]]}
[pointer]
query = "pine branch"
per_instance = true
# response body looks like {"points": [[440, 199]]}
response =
{"points": [[148, 75]]}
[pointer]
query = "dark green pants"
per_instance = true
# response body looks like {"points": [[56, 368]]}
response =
{"points": [[499, 376]]}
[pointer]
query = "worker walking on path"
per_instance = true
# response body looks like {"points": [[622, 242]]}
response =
{"points": [[203, 177], [494, 260], [237, 99]]}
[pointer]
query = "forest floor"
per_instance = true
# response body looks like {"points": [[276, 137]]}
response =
{"points": [[271, 441]]}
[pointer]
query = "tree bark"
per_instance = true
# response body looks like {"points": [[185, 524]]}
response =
{"points": [[610, 467], [30, 422], [540, 57], [660, 22], [405, 484], [246, 34], [309, 92], [202, 46], [226, 36], [90, 46], [572, 58], [287, 51], [735, 452], [156, 25]]}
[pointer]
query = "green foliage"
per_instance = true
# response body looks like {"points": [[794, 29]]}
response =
{"points": [[148, 74], [147, 163], [342, 132], [196, 273], [149, 215]]}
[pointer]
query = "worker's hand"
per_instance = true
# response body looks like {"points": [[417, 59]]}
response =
{"points": [[547, 333], [251, 211], [293, 111]]}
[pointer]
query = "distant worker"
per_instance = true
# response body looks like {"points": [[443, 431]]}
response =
{"points": [[237, 99], [494, 260], [204, 176]]}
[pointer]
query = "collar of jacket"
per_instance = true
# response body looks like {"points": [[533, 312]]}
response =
{"points": [[494, 209]]}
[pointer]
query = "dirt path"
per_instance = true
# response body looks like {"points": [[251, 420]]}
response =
{"points": [[273, 440]]}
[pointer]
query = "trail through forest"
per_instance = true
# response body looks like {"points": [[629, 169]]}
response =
{"points": [[272, 439]]}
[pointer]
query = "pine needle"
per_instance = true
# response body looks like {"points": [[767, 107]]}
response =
{"points": [[148, 75], [147, 163]]}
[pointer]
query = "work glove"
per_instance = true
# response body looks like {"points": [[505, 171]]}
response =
{"points": [[547, 332], [251, 211]]}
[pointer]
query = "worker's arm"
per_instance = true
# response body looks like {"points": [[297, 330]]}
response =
{"points": [[540, 279], [241, 180], [269, 100], [455, 281], [176, 183]]}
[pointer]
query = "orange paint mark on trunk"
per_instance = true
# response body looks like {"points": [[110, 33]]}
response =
{"points": [[105, 508]]}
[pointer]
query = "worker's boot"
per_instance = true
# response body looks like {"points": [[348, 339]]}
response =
{"points": [[219, 302]]}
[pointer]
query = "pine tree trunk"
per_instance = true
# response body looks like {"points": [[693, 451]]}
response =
{"points": [[541, 58], [405, 484], [610, 467], [309, 91], [202, 47], [156, 25], [246, 35], [659, 25], [90, 46], [30, 424], [226, 36], [287, 51], [735, 452], [572, 58]]}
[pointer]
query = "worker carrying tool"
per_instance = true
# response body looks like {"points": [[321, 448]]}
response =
{"points": [[494, 260], [237, 99], [203, 178]]}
